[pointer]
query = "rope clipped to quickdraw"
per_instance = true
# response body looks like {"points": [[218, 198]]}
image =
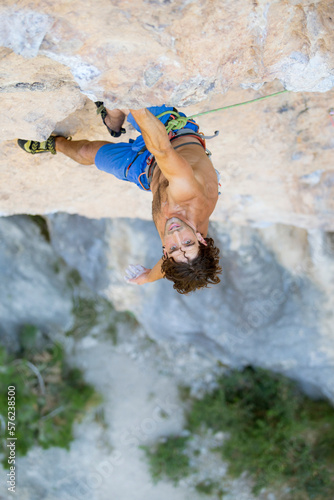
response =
{"points": [[181, 121]]}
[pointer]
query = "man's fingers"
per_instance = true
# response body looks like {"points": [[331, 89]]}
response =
{"points": [[133, 271], [129, 275], [136, 270]]}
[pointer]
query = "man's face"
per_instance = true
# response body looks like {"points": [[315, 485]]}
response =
{"points": [[180, 241]]}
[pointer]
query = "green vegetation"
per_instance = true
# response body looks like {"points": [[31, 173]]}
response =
{"points": [[277, 434], [49, 395], [89, 313], [168, 459], [209, 487], [42, 224], [73, 278]]}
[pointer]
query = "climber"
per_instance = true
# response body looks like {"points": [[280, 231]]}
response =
{"points": [[184, 184]]}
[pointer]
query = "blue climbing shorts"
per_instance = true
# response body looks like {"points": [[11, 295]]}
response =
{"points": [[116, 158]]}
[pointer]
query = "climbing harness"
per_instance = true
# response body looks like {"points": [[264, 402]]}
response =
{"points": [[176, 127], [151, 162]]}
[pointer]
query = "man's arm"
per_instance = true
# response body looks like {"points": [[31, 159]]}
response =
{"points": [[139, 275], [182, 182]]}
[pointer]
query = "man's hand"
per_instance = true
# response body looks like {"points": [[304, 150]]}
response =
{"points": [[153, 132], [137, 275]]}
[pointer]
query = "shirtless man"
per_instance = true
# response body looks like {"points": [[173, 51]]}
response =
{"points": [[184, 185]]}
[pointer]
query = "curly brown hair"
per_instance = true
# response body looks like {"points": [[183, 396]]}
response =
{"points": [[200, 273]]}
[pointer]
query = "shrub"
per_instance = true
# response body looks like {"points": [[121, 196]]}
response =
{"points": [[168, 459], [90, 313], [50, 396], [276, 433]]}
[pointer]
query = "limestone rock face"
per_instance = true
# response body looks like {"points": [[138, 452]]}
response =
{"points": [[35, 94], [137, 53], [275, 156]]}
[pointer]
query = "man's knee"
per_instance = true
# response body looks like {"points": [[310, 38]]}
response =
{"points": [[87, 152]]}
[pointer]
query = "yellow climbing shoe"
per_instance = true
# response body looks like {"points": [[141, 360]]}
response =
{"points": [[34, 147]]}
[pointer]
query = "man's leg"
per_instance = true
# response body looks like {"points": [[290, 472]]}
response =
{"points": [[82, 152], [115, 118]]}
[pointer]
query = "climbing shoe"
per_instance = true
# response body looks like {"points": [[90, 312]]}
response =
{"points": [[34, 147], [101, 110]]}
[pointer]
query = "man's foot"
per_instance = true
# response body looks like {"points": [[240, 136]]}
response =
{"points": [[34, 147], [113, 120]]}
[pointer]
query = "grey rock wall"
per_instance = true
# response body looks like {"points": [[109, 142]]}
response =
{"points": [[265, 311], [33, 287], [273, 308]]}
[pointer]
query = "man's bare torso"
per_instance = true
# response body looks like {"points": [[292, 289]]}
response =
{"points": [[197, 209]]}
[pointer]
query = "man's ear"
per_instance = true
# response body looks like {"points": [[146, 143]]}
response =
{"points": [[201, 239]]}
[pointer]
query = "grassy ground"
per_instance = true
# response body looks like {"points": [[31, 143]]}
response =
{"points": [[277, 434]]}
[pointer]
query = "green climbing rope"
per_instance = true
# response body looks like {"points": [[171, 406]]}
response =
{"points": [[181, 121]]}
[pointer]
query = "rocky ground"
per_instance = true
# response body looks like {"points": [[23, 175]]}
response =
{"points": [[139, 383]]}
